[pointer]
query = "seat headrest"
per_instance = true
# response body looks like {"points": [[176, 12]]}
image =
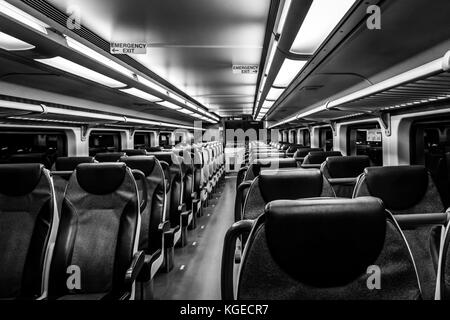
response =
{"points": [[303, 152], [290, 184], [29, 158], [272, 163], [19, 179], [346, 167], [109, 156], [135, 152], [400, 187], [142, 163], [70, 163], [318, 157], [100, 178], [325, 242]]}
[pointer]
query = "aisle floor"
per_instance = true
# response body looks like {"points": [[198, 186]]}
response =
{"points": [[196, 274]]}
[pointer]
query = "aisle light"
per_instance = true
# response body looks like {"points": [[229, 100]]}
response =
{"points": [[78, 70], [186, 111], [11, 43], [323, 16], [288, 72], [90, 53], [152, 85], [22, 17], [141, 94]]}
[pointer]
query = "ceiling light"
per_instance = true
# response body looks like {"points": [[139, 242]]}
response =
{"points": [[78, 70], [288, 72], [284, 12], [22, 17], [141, 94], [274, 94], [10, 43], [91, 53], [186, 111], [323, 16], [169, 105], [152, 85]]}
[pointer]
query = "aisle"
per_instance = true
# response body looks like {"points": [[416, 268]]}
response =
{"points": [[196, 275]]}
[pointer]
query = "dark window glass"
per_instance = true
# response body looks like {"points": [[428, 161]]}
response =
{"points": [[326, 139], [366, 140], [100, 141]]}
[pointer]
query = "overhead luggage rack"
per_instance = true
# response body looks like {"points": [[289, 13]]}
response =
{"points": [[427, 83]]}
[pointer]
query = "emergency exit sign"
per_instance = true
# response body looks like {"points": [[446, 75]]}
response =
{"points": [[128, 48], [245, 69]]}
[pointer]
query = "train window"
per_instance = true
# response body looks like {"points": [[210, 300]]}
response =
{"points": [[293, 138], [164, 139], [47, 145], [144, 140], [430, 146], [366, 140], [305, 138], [326, 139], [103, 141]]}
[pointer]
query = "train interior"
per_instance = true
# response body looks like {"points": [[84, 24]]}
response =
{"points": [[224, 150]]}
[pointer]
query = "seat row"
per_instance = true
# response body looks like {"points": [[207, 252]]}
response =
{"points": [[90, 230], [407, 192]]}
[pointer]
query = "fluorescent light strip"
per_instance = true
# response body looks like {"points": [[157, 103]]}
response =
{"points": [[22, 17], [274, 94], [323, 16], [46, 120], [288, 72], [11, 43], [170, 105], [186, 111], [80, 71], [284, 12], [141, 94], [152, 85], [92, 54]]}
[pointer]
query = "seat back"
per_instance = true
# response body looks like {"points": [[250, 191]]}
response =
{"points": [[98, 231], [284, 184], [342, 173], [318, 157], [65, 164], [175, 179], [273, 163], [150, 239], [27, 217], [41, 158], [109, 156], [293, 247], [409, 190]]}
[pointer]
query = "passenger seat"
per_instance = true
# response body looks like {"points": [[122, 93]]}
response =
{"points": [[314, 159], [342, 173], [109, 156], [95, 256], [409, 190], [28, 223], [321, 249]]}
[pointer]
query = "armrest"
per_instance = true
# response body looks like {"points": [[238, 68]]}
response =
{"points": [[240, 198], [139, 175], [229, 247], [341, 181], [311, 166], [164, 226], [61, 173], [411, 221], [136, 265]]}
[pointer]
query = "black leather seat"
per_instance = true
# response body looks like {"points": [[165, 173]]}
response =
{"points": [[134, 152], [274, 163], [321, 249], [301, 153], [155, 149], [153, 220], [314, 159], [409, 190], [342, 173], [174, 192], [283, 184], [61, 173], [28, 221], [95, 255], [109, 156]]}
